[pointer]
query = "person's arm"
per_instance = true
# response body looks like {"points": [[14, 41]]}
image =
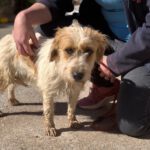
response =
{"points": [[135, 52], [23, 31]]}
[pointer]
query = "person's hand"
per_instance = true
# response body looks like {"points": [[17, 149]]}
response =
{"points": [[105, 72], [22, 33]]}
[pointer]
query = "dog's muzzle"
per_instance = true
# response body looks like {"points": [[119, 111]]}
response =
{"points": [[78, 75]]}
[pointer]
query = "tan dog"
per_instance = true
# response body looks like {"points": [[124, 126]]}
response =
{"points": [[61, 65]]}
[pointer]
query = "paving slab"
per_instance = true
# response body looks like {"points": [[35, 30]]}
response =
{"points": [[22, 128]]}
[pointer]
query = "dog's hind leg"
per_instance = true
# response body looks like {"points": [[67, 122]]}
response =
{"points": [[48, 110], [11, 95], [73, 122]]}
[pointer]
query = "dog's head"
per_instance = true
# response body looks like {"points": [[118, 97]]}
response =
{"points": [[76, 49]]}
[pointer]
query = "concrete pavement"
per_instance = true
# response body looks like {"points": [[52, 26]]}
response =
{"points": [[22, 126]]}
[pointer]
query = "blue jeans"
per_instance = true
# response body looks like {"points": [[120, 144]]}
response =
{"points": [[133, 110]]}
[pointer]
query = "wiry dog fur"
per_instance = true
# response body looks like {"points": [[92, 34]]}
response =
{"points": [[60, 65]]}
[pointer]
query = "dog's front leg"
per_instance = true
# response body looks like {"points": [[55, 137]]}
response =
{"points": [[73, 122], [11, 95], [48, 110]]}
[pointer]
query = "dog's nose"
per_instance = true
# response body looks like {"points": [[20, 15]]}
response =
{"points": [[78, 76]]}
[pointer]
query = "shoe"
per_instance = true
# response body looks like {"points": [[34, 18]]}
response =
{"points": [[100, 96], [105, 123]]}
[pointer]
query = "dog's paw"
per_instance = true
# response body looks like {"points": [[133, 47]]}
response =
{"points": [[14, 102], [51, 132], [76, 125]]}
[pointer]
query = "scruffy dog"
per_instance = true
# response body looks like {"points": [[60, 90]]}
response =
{"points": [[60, 65]]}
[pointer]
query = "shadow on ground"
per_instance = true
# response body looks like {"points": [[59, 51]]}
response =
{"points": [[60, 110]]}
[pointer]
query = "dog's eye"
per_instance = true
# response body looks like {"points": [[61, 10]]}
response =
{"points": [[89, 51], [69, 51]]}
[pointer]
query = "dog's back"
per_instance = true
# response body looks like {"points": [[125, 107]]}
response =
{"points": [[14, 68]]}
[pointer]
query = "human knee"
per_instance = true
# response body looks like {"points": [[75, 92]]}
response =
{"points": [[131, 129]]}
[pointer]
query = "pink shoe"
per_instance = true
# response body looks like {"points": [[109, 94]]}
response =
{"points": [[100, 96]]}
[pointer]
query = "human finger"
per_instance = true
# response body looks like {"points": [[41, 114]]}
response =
{"points": [[28, 49], [21, 50], [34, 39]]}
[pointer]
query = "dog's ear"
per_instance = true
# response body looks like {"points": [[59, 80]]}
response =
{"points": [[101, 42], [58, 40], [54, 55]]}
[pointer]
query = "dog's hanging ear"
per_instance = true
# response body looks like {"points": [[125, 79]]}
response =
{"points": [[54, 55], [99, 41], [102, 43]]}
